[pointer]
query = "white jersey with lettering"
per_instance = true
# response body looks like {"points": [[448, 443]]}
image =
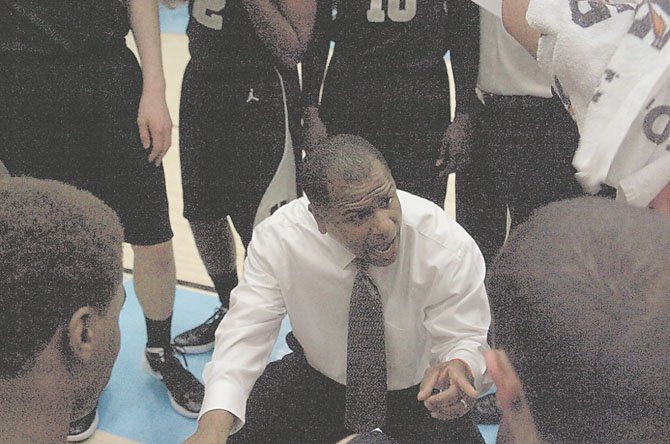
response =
{"points": [[611, 65]]}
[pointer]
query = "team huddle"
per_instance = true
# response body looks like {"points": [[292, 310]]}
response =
{"points": [[402, 318]]}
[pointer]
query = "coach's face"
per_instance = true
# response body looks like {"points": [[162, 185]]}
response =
{"points": [[365, 216]]}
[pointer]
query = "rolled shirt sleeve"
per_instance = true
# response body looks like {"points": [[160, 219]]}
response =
{"points": [[458, 314], [245, 337]]}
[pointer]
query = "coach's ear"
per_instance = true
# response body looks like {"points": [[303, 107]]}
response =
{"points": [[319, 217], [517, 425]]}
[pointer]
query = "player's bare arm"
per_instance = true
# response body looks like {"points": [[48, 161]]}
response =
{"points": [[153, 117], [313, 66], [514, 19], [285, 26]]}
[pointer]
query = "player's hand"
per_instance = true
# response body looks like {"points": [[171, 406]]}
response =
{"points": [[511, 400], [314, 131], [661, 203], [447, 390], [456, 145], [154, 123]]}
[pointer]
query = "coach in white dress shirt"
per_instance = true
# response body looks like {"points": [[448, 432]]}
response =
{"points": [[429, 273]]}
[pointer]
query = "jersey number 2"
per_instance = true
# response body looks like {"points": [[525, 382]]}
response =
{"points": [[376, 13], [208, 13]]}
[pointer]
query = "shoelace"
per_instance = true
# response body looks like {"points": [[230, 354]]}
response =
{"points": [[176, 351], [218, 314], [166, 353]]}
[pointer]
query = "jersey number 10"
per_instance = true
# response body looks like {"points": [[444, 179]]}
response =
{"points": [[376, 13]]}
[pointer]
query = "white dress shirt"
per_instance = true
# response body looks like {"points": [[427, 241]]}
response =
{"points": [[435, 305]]}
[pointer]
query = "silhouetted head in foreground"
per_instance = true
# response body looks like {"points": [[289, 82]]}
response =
{"points": [[580, 301], [61, 293]]}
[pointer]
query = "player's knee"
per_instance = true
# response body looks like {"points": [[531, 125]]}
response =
{"points": [[159, 256]]}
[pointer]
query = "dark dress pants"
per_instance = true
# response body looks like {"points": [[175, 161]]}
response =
{"points": [[293, 403]]}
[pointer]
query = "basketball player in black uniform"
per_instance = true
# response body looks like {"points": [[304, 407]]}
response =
{"points": [[77, 108], [234, 128], [387, 81]]}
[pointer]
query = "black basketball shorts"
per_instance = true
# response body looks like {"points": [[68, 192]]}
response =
{"points": [[232, 136], [75, 120]]}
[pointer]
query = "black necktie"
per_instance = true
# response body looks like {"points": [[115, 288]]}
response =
{"points": [[366, 357]]}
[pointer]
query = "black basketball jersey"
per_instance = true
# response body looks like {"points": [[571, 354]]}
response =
{"points": [[220, 33], [62, 27], [379, 32]]}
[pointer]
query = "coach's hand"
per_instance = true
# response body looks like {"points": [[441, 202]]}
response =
{"points": [[213, 428], [154, 123], [456, 145], [314, 131], [447, 390]]}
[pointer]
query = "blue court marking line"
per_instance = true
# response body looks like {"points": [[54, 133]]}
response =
{"points": [[173, 20], [135, 405]]}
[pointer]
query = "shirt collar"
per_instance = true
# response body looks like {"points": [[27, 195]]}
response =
{"points": [[341, 256]]}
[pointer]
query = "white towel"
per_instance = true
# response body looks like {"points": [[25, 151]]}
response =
{"points": [[641, 167], [613, 65], [576, 45], [630, 111]]}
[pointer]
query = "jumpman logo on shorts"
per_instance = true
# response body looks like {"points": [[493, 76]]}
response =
{"points": [[252, 97]]}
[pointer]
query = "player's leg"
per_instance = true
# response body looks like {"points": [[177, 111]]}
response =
{"points": [[413, 172], [376, 104], [135, 188], [154, 282], [38, 118], [414, 110], [481, 203], [216, 247], [154, 274], [261, 132], [208, 159], [545, 140], [250, 138]]}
